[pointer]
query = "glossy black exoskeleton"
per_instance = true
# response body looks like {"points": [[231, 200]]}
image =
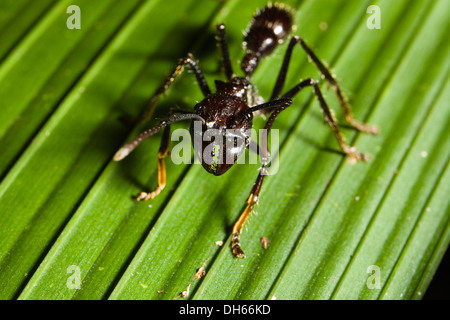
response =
{"points": [[229, 111]]}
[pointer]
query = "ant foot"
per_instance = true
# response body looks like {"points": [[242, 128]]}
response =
{"points": [[354, 155], [236, 246], [144, 196], [364, 127]]}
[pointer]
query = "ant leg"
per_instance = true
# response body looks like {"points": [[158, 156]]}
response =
{"points": [[251, 201], [352, 152], [264, 154], [223, 44], [163, 149], [187, 60], [279, 106], [162, 153], [283, 71], [328, 77]]}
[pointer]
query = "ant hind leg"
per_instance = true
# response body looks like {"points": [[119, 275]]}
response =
{"points": [[351, 151], [328, 77]]}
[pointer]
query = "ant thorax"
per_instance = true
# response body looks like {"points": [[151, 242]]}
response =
{"points": [[253, 98], [241, 88]]}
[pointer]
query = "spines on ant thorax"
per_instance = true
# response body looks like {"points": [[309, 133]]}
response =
{"points": [[269, 27]]}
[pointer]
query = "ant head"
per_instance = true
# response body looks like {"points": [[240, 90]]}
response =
{"points": [[223, 137]]}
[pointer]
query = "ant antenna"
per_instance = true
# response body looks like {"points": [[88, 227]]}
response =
{"points": [[126, 149], [271, 104]]}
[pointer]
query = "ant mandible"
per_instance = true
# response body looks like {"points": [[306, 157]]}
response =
{"points": [[236, 100]]}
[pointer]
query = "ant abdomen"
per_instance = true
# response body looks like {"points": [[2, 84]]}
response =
{"points": [[269, 27]]}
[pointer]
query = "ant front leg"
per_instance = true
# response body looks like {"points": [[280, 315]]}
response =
{"points": [[352, 152], [162, 153], [187, 60], [328, 77], [251, 201], [264, 154]]}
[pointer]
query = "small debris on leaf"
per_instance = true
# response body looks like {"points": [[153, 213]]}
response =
{"points": [[265, 242]]}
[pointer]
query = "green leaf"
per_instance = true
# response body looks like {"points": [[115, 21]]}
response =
{"points": [[68, 213]]}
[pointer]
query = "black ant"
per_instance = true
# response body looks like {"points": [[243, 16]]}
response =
{"points": [[236, 100]]}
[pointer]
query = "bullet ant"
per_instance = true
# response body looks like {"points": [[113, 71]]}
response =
{"points": [[235, 102]]}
